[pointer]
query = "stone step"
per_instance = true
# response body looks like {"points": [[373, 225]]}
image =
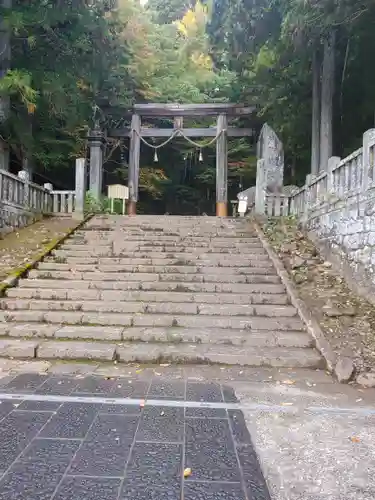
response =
{"points": [[149, 307], [124, 242], [123, 295], [233, 288], [150, 250], [168, 335], [154, 320], [190, 238], [257, 267], [179, 260], [154, 277], [156, 353]]}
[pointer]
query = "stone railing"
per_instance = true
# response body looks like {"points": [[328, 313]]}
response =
{"points": [[63, 202], [350, 176], [276, 205], [22, 202], [337, 207]]}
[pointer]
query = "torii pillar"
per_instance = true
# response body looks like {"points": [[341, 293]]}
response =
{"points": [[222, 167], [134, 152]]}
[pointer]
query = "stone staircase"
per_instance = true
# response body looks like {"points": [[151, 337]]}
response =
{"points": [[153, 289]]}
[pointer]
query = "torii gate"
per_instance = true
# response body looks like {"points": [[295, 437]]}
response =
{"points": [[220, 133]]}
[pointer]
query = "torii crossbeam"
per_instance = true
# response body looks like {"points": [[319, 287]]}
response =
{"points": [[178, 111]]}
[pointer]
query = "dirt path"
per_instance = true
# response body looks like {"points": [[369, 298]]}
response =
{"points": [[347, 320], [20, 247]]}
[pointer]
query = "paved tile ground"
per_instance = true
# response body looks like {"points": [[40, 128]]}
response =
{"points": [[67, 449]]}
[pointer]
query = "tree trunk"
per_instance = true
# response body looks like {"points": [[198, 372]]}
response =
{"points": [[4, 66], [328, 88], [315, 133]]}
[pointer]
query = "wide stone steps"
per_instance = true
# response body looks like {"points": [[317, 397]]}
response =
{"points": [[159, 353], [134, 295], [157, 335], [80, 284], [102, 251], [156, 319], [150, 307], [162, 259], [155, 277], [256, 267], [151, 289]]}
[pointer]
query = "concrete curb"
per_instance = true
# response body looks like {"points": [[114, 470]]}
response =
{"points": [[13, 278], [313, 327]]}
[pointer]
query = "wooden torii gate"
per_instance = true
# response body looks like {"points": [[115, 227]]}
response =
{"points": [[178, 111]]}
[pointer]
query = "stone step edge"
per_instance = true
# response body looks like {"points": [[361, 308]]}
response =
{"points": [[73, 318], [153, 353], [150, 308], [169, 286], [145, 335], [123, 296]]}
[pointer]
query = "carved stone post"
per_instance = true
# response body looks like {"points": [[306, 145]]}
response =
{"points": [[24, 175], [368, 158], [332, 165], [80, 190], [134, 152], [96, 145], [260, 188], [222, 168]]}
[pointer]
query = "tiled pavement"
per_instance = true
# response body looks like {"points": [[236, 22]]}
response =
{"points": [[71, 438]]}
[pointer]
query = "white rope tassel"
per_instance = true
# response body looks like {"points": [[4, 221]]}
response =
{"points": [[156, 159]]}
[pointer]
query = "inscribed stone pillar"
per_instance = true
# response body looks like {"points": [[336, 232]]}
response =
{"points": [[270, 149], [96, 145], [80, 189]]}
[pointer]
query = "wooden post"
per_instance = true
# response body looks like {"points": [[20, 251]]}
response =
{"points": [[315, 132], [96, 144], [222, 168], [80, 189], [135, 146]]}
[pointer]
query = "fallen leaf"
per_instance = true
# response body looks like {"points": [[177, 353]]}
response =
{"points": [[138, 371], [157, 373], [187, 472], [165, 364], [355, 439], [286, 404], [289, 382]]}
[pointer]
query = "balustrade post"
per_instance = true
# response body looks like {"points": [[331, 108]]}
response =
{"points": [[368, 164], [80, 189]]}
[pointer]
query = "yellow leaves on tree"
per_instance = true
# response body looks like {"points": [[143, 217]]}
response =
{"points": [[193, 28], [194, 21], [150, 181], [31, 107]]}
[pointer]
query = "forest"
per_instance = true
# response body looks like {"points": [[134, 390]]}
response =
{"points": [[64, 63]]}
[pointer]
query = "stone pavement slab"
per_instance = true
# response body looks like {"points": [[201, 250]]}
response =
{"points": [[103, 450]]}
